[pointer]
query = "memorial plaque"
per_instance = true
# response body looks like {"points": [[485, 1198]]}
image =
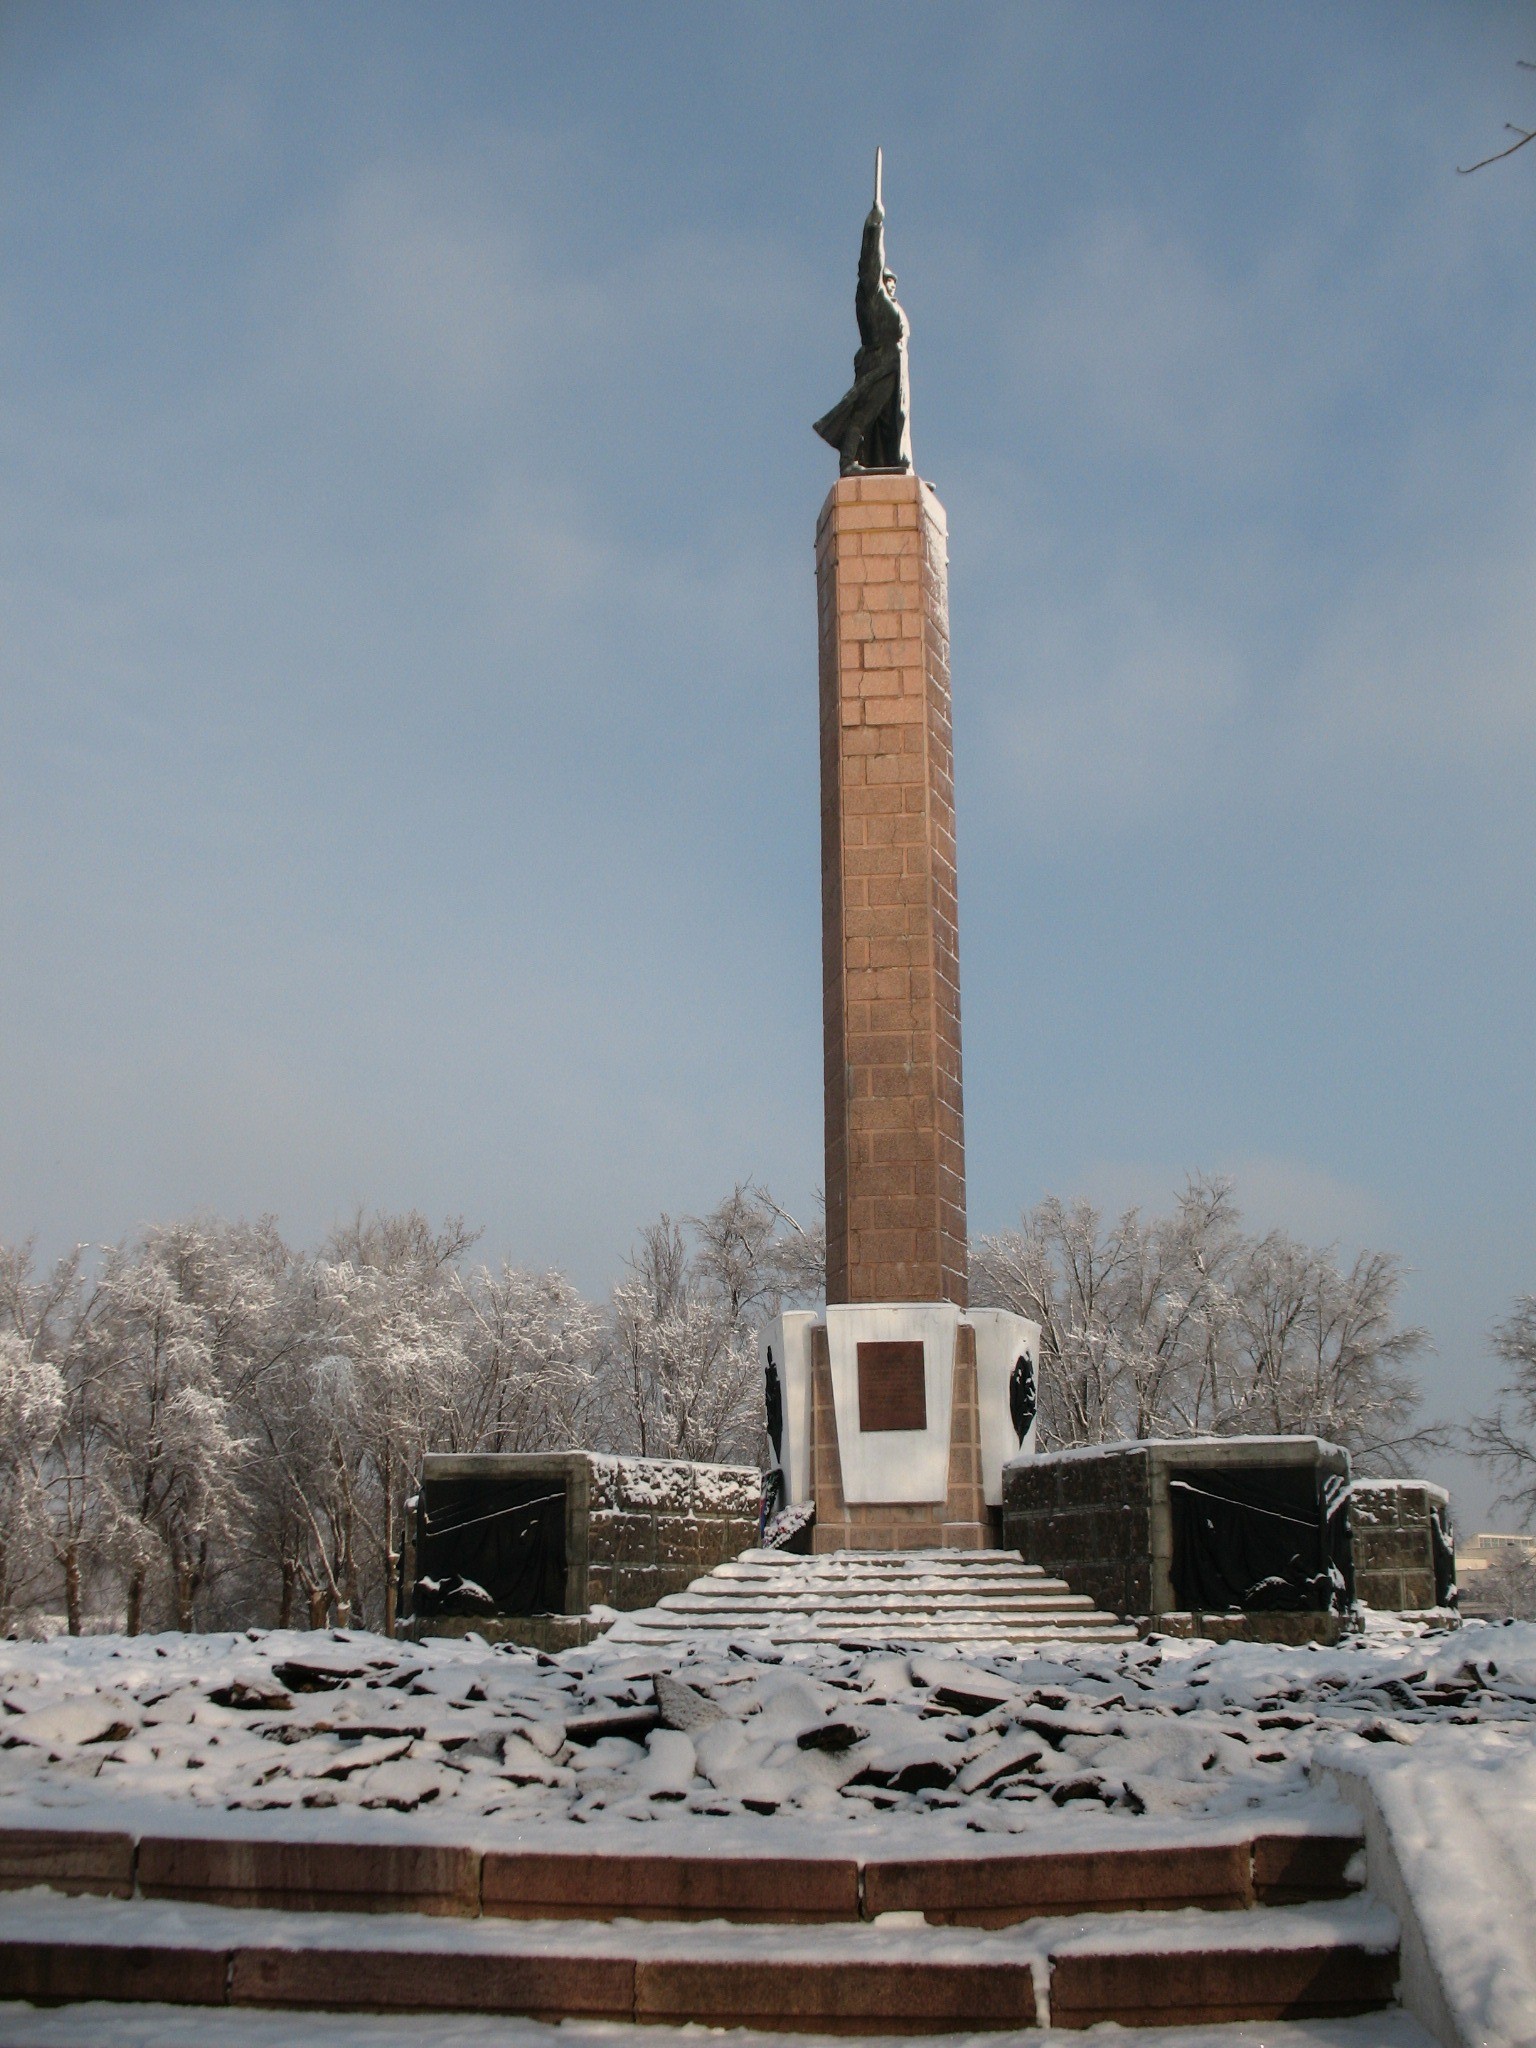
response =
{"points": [[892, 1393]]}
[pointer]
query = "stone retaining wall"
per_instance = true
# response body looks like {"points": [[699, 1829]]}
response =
{"points": [[1393, 1524], [635, 1529], [654, 1525], [1085, 1520], [1101, 1517]]}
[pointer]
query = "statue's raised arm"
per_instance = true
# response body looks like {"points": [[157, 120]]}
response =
{"points": [[871, 272], [868, 426]]}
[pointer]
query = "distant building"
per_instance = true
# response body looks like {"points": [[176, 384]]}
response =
{"points": [[1489, 1548]]}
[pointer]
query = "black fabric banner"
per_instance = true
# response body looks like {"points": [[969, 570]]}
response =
{"points": [[490, 1546], [1258, 1538]]}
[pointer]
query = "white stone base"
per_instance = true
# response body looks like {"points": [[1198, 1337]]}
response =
{"points": [[900, 1465]]}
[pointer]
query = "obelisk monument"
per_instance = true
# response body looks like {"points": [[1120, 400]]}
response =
{"points": [[896, 1405], [895, 1127]]}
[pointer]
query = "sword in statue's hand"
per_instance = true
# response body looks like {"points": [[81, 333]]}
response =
{"points": [[877, 211]]}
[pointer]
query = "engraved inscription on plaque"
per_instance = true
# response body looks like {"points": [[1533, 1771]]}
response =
{"points": [[891, 1390]]}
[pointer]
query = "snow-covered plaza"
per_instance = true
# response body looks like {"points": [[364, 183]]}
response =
{"points": [[1418, 1741]]}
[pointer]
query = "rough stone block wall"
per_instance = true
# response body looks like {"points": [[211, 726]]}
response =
{"points": [[962, 1521], [654, 1525], [635, 1529], [895, 1130], [1392, 1533], [1088, 1522]]}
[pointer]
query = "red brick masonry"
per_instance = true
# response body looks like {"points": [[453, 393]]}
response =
{"points": [[892, 1993], [440, 1878], [895, 1129]]}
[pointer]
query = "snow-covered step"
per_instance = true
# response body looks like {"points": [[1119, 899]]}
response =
{"points": [[874, 1564], [995, 1883], [831, 1611], [893, 1586], [926, 1596], [833, 1564], [1151, 1968], [659, 1628], [708, 1601], [190, 2026], [974, 1599]]}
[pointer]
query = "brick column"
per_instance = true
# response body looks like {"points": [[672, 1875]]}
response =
{"points": [[895, 1134]]}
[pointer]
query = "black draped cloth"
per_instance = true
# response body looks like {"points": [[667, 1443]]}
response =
{"points": [[490, 1546], [1260, 1539]]}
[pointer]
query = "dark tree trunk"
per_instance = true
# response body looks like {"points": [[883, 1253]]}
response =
{"points": [[72, 1589]]}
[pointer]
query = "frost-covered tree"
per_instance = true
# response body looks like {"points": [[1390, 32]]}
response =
{"points": [[1132, 1314], [31, 1407], [60, 1544], [1185, 1324], [1318, 1351], [1504, 1438], [1507, 1585], [396, 1361], [181, 1320], [681, 1377], [530, 1349]]}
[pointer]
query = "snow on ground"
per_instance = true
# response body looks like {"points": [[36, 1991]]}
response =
{"points": [[836, 1743], [46, 1916], [162, 2026], [809, 1748], [1459, 1807]]}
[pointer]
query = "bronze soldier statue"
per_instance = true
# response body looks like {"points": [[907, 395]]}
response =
{"points": [[868, 427]]}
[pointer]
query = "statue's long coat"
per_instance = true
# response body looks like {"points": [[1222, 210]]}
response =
{"points": [[877, 400]]}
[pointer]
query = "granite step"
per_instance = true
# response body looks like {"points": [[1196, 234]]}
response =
{"points": [[993, 1886], [919, 1596], [191, 2026], [1157, 1968]]}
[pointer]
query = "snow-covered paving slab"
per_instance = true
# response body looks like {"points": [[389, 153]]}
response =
{"points": [[1137, 1966], [1458, 1809], [167, 2026], [825, 1749], [42, 1916], [812, 1747]]}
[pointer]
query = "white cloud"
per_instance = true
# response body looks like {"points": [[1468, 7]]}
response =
{"points": [[1428, 658], [1200, 638], [1145, 347]]}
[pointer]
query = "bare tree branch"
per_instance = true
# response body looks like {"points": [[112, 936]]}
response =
{"points": [[1525, 134]]}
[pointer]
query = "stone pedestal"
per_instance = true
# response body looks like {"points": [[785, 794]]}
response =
{"points": [[1404, 1551], [957, 1521], [898, 1419], [1144, 1527], [895, 1135], [518, 1545]]}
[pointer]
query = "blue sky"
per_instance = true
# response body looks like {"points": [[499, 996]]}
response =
{"points": [[407, 715]]}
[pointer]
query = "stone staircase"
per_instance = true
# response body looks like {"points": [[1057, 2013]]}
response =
{"points": [[872, 1596], [1266, 1927]]}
